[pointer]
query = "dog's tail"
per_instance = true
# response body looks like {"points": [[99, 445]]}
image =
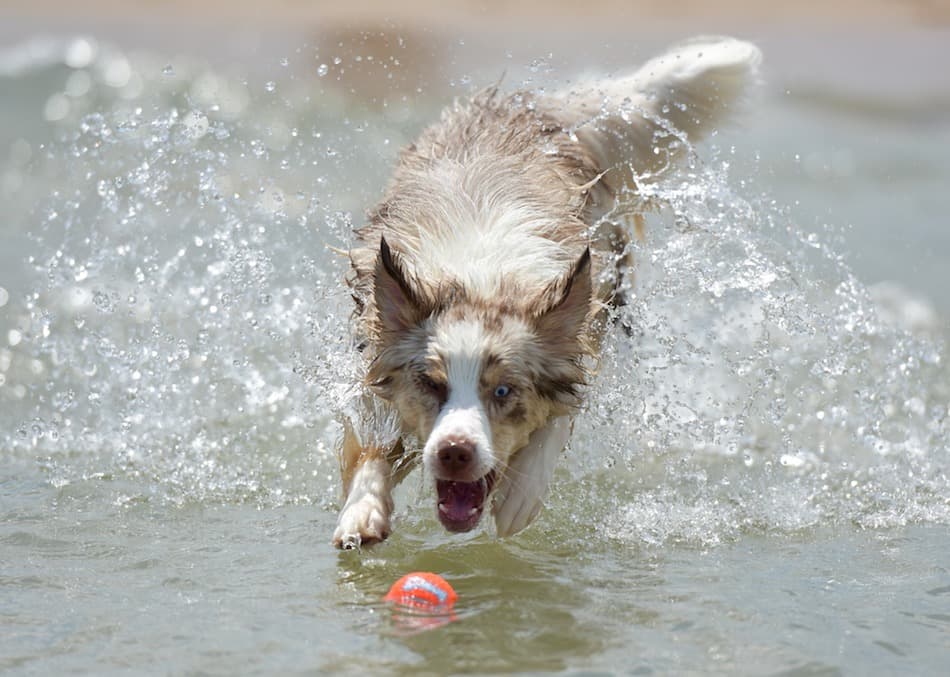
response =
{"points": [[639, 125]]}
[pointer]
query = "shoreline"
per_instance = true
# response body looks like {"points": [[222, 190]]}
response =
{"points": [[485, 15], [861, 47]]}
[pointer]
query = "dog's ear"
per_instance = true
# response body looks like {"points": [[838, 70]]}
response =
{"points": [[398, 304], [568, 303]]}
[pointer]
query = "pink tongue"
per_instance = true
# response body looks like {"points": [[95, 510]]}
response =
{"points": [[460, 503]]}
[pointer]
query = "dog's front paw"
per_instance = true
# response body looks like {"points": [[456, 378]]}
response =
{"points": [[520, 493], [515, 510], [362, 522]]}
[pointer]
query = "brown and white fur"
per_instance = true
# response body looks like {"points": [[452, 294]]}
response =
{"points": [[484, 278]]}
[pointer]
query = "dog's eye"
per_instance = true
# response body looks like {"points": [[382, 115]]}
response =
{"points": [[502, 391], [435, 388]]}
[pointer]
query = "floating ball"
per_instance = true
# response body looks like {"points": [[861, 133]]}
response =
{"points": [[423, 591]]}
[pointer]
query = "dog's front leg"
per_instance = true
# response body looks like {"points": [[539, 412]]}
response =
{"points": [[520, 494], [367, 482]]}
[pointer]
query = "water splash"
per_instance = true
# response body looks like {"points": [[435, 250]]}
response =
{"points": [[185, 336], [762, 389], [181, 272]]}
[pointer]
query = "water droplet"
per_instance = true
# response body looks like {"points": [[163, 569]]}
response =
{"points": [[194, 125], [78, 84], [270, 85], [322, 70], [117, 72], [101, 301], [168, 71], [56, 108], [4, 297], [80, 53]]}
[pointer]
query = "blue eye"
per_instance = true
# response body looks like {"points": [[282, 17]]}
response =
{"points": [[502, 391]]}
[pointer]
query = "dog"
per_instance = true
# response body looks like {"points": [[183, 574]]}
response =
{"points": [[486, 277]]}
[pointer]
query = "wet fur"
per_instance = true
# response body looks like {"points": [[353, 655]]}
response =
{"points": [[488, 263]]}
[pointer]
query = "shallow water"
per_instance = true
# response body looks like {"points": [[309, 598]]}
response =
{"points": [[758, 485]]}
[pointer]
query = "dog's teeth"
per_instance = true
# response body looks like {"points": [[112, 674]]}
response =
{"points": [[443, 508], [472, 511]]}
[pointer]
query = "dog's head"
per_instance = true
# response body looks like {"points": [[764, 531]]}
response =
{"points": [[473, 378]]}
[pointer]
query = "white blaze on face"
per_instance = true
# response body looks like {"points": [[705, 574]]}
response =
{"points": [[463, 416]]}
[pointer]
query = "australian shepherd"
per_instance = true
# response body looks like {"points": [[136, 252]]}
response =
{"points": [[486, 277]]}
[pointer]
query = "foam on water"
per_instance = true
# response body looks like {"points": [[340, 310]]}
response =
{"points": [[186, 337]]}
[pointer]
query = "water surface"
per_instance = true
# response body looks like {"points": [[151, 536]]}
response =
{"points": [[758, 485]]}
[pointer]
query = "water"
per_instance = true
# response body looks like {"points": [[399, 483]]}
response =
{"points": [[758, 485]]}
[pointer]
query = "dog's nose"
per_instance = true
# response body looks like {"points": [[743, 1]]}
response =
{"points": [[456, 455]]}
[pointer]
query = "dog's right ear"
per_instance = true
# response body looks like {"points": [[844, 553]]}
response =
{"points": [[398, 305]]}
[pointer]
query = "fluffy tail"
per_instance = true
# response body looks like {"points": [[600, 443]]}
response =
{"points": [[643, 123]]}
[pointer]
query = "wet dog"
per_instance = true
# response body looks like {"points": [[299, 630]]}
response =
{"points": [[485, 279]]}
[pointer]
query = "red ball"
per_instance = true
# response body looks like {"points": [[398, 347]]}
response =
{"points": [[422, 590]]}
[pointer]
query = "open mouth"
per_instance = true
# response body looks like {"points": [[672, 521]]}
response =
{"points": [[461, 504]]}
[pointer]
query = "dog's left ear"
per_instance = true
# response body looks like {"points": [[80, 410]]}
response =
{"points": [[563, 322]]}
